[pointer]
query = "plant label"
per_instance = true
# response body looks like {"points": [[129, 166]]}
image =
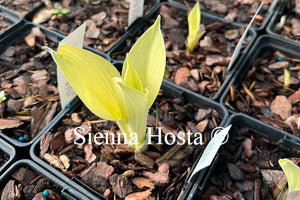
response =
{"points": [[66, 92], [237, 50], [218, 135], [136, 10]]}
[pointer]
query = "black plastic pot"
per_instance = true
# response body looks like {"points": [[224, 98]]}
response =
{"points": [[69, 191], [14, 18], [239, 121], [262, 44], [170, 90], [282, 10], [18, 35], [268, 15], [133, 34], [29, 17], [10, 152]]}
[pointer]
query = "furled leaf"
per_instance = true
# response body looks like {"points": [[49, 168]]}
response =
{"points": [[148, 58], [194, 36], [286, 79], [135, 105], [292, 173]]}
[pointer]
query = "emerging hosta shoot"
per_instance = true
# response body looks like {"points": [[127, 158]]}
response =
{"points": [[2, 96], [125, 99], [194, 36], [287, 78], [292, 173]]}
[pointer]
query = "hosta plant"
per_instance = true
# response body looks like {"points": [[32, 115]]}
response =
{"points": [[292, 173], [194, 19], [124, 98]]}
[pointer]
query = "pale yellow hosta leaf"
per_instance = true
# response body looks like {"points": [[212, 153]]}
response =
{"points": [[135, 105], [91, 76], [292, 173], [130, 76], [194, 19], [286, 79], [148, 59]]}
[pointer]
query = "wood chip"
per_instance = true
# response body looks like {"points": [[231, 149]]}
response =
{"points": [[89, 155], [54, 161], [142, 182], [144, 160], [9, 123], [161, 176], [138, 195]]}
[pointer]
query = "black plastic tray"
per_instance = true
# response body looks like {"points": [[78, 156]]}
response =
{"points": [[8, 150], [263, 43], [17, 35], [171, 90], [259, 29], [275, 19], [29, 16], [14, 18], [204, 15], [69, 191]]}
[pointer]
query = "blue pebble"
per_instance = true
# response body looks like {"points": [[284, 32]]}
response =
{"points": [[69, 106], [291, 66], [154, 111], [45, 193], [280, 59], [21, 139]]}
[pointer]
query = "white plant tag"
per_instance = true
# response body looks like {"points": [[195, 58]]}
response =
{"points": [[66, 92], [136, 10], [239, 45], [211, 149]]}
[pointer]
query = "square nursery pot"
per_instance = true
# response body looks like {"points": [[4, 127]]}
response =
{"points": [[238, 11], [34, 182], [102, 168], [8, 21], [107, 21], [204, 70], [28, 78], [286, 22], [21, 7], [248, 162], [7, 155], [257, 89]]}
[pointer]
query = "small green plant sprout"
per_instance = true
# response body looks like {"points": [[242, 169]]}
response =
{"points": [[292, 173], [125, 99], [61, 11], [194, 36], [2, 96]]}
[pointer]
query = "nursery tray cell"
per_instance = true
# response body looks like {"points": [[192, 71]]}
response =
{"points": [[21, 6], [28, 80], [238, 11], [107, 21], [286, 21], [26, 180], [260, 89], [248, 162], [204, 70]]}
